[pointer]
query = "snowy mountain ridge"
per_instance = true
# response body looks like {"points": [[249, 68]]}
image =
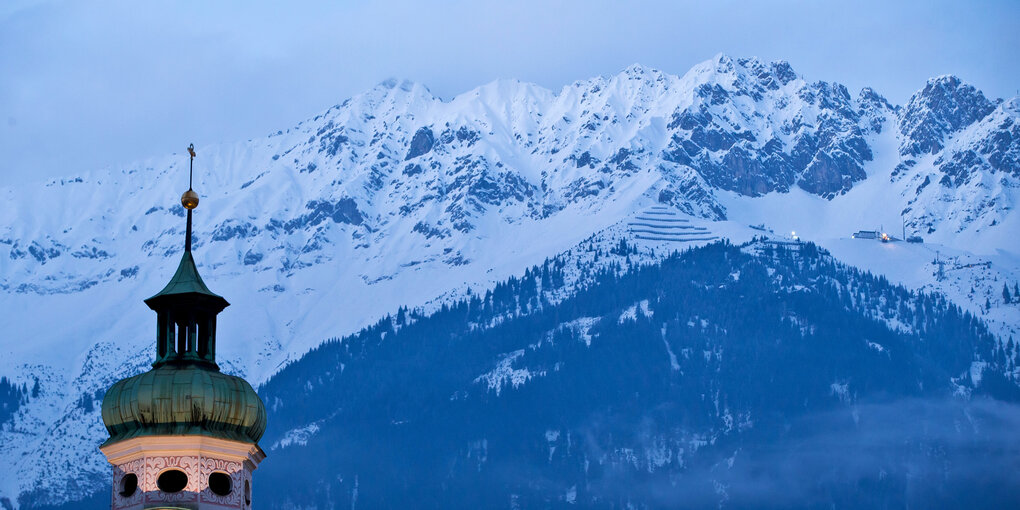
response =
{"points": [[398, 198]]}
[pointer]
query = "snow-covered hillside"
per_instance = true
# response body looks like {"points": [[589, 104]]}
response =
{"points": [[396, 197]]}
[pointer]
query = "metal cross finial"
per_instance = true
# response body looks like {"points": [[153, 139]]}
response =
{"points": [[191, 167]]}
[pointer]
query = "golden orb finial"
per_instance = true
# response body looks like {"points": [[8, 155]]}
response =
{"points": [[189, 199]]}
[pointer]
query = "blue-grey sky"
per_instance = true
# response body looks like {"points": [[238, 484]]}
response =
{"points": [[89, 84]]}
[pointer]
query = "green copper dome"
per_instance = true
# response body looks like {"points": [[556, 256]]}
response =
{"points": [[184, 401]]}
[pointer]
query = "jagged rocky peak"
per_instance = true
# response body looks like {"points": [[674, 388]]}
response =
{"points": [[1002, 146], [783, 71], [498, 93], [944, 106], [789, 133], [747, 76], [390, 98], [641, 79], [360, 126], [621, 99], [639, 71], [740, 76], [869, 98], [975, 174], [874, 109], [408, 86], [991, 144]]}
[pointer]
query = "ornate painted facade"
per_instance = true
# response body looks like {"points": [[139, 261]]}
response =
{"points": [[139, 463]]}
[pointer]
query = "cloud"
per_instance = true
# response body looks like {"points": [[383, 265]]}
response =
{"points": [[86, 85], [905, 453]]}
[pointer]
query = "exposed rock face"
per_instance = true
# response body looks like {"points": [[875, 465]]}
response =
{"points": [[959, 154], [755, 128], [421, 143], [944, 106], [998, 150], [873, 110], [830, 173]]}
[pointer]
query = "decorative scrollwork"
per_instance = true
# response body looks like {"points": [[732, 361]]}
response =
{"points": [[190, 465], [135, 467], [197, 468], [236, 473]]}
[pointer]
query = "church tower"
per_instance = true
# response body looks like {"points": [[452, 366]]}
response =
{"points": [[183, 435]]}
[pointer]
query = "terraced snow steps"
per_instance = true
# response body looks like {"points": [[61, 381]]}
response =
{"points": [[660, 223]]}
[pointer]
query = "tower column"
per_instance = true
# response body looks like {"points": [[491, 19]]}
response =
{"points": [[162, 335], [183, 435]]}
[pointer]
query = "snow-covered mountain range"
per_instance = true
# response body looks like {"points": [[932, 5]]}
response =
{"points": [[396, 197]]}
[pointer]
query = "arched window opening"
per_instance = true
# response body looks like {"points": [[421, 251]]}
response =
{"points": [[204, 337], [220, 484], [161, 335], [171, 337], [192, 333], [128, 485], [172, 481], [247, 493], [182, 338], [199, 331]]}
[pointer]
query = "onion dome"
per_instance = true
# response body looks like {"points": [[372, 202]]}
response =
{"points": [[172, 400], [185, 393]]}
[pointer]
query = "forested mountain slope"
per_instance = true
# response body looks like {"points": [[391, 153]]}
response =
{"points": [[740, 376]]}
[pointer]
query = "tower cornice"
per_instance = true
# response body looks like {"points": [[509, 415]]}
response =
{"points": [[128, 450]]}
